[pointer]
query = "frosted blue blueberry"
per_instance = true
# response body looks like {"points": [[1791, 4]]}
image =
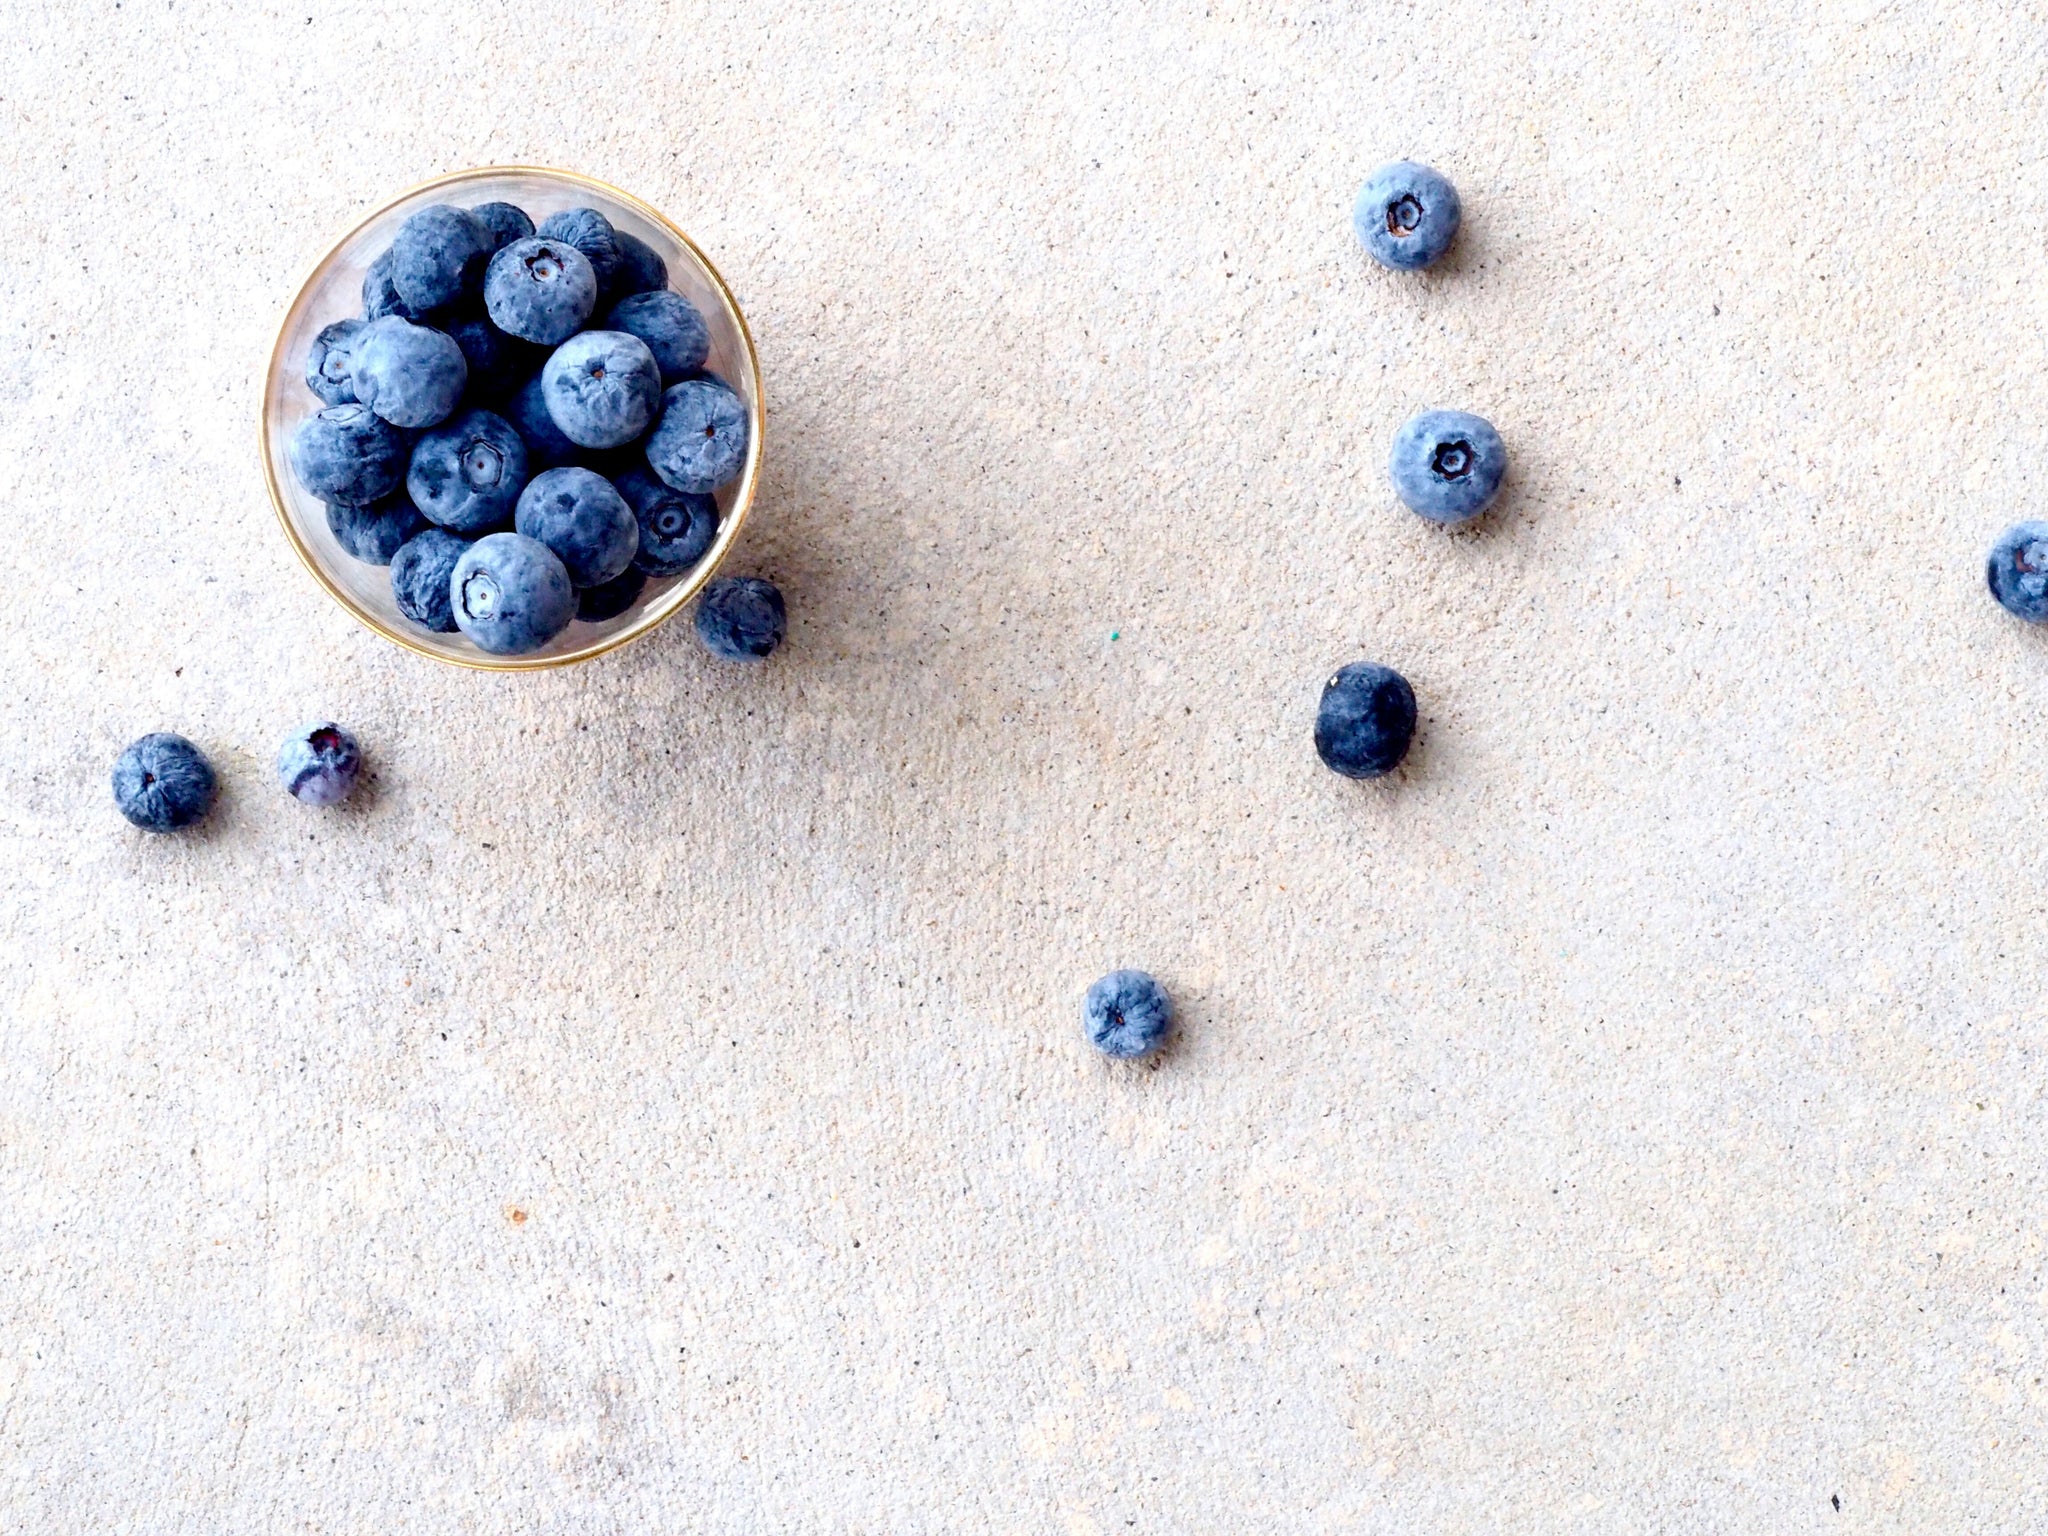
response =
{"points": [[467, 474], [374, 534], [592, 234], [319, 765], [596, 604], [503, 223], [741, 618], [677, 528], [1447, 465], [640, 270], [510, 594], [1365, 721], [348, 453], [670, 325], [2017, 571], [1127, 1014], [408, 374], [380, 296], [419, 578], [1406, 215], [577, 514], [700, 442], [162, 782], [602, 388], [327, 362], [540, 290], [438, 256]]}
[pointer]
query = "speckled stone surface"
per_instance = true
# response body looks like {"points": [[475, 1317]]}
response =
{"points": [[660, 1103]]}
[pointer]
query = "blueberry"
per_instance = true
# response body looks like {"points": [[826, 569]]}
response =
{"points": [[670, 325], [676, 527], [380, 296], [1127, 1014], [1365, 721], [419, 578], [1406, 215], [467, 474], [503, 223], [601, 388], [607, 601], [348, 453], [583, 520], [497, 364], [319, 765], [592, 234], [1447, 465], [438, 256], [408, 374], [741, 618], [527, 410], [163, 782], [540, 290], [511, 594], [641, 269], [2017, 571], [700, 442], [373, 534], [327, 363]]}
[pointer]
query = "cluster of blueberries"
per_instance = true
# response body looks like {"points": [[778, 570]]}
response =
{"points": [[518, 462]]}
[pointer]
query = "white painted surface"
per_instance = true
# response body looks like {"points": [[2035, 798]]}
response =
{"points": [[1628, 1120]]}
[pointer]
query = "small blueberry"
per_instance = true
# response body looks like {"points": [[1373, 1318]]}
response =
{"points": [[319, 765], [467, 474], [419, 578], [670, 325], [1365, 721], [348, 453], [511, 594], [408, 374], [163, 782], [540, 290], [438, 256], [1447, 465], [1406, 215], [503, 223], [2017, 571], [592, 234], [677, 528], [1127, 1015], [374, 534], [741, 618], [640, 269], [583, 519], [602, 388], [700, 442], [327, 363]]}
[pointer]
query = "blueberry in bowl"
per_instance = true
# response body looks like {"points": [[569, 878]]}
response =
{"points": [[408, 409]]}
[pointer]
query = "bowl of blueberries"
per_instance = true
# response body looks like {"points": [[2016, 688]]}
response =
{"points": [[513, 419]]}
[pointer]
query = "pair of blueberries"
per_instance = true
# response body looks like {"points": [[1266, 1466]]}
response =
{"points": [[520, 426], [1446, 466], [163, 782]]}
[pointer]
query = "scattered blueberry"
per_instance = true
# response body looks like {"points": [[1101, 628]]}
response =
{"points": [[319, 765], [1406, 215], [670, 325], [1447, 465], [467, 474], [511, 594], [592, 234], [641, 269], [1365, 721], [163, 782], [676, 527], [545, 445], [540, 290], [1127, 1015], [741, 618], [438, 256], [2017, 571], [408, 374], [348, 453], [610, 599], [327, 363], [375, 533], [579, 516], [497, 363], [419, 578], [601, 388], [700, 442], [503, 223]]}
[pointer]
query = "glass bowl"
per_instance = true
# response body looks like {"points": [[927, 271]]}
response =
{"points": [[334, 292]]}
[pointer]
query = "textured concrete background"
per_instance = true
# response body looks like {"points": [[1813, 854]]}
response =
{"points": [[659, 1106]]}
